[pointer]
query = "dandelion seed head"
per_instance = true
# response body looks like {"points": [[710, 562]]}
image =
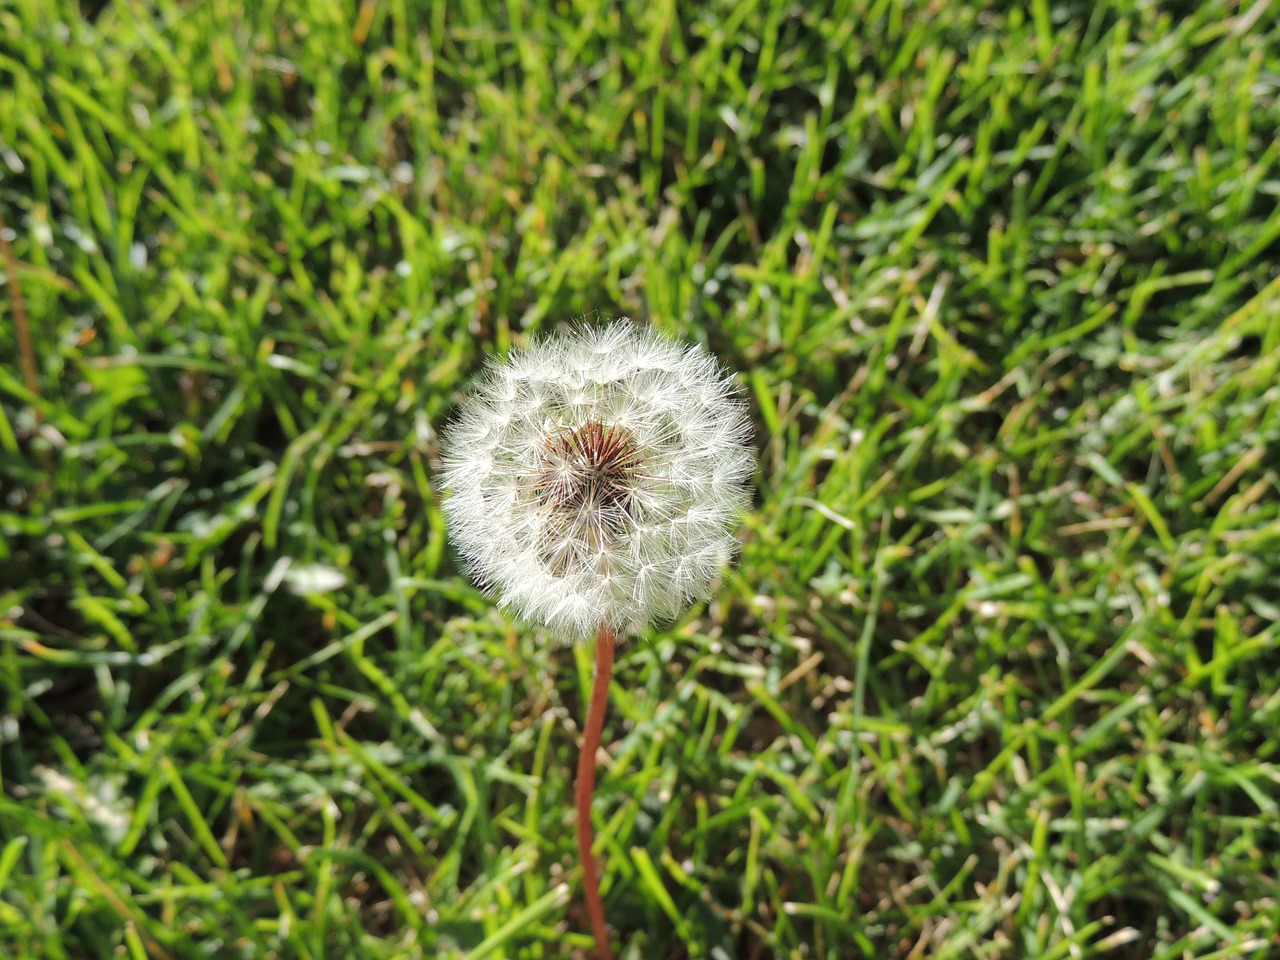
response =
{"points": [[597, 477]]}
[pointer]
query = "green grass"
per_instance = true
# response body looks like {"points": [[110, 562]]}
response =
{"points": [[998, 674]]}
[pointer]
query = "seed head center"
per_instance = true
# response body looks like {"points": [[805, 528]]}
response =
{"points": [[590, 468]]}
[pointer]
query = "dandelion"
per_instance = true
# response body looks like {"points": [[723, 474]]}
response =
{"points": [[593, 481]]}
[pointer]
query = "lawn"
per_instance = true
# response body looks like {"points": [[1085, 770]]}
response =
{"points": [[997, 672]]}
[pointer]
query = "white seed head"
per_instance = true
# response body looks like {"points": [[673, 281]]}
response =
{"points": [[596, 478]]}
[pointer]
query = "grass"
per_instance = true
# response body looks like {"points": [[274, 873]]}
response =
{"points": [[998, 674]]}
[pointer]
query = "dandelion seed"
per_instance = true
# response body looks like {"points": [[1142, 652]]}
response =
{"points": [[592, 483], [596, 477]]}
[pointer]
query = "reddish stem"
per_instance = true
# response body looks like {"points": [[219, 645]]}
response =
{"points": [[587, 785]]}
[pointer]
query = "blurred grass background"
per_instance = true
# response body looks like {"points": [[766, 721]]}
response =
{"points": [[998, 674]]}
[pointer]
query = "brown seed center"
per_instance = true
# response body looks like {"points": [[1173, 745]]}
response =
{"points": [[590, 470]]}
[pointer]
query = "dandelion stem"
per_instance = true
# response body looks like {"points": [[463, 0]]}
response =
{"points": [[605, 639]]}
